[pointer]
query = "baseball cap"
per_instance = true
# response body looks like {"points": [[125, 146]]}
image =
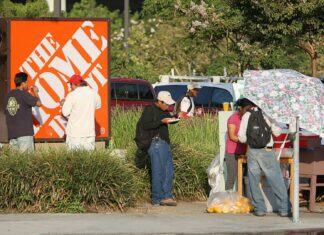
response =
{"points": [[193, 86], [166, 97], [76, 79]]}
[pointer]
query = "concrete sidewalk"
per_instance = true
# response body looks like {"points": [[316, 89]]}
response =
{"points": [[186, 218]]}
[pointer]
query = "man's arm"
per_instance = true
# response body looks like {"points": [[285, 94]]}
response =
{"points": [[275, 129], [36, 91], [148, 119], [32, 100], [98, 101], [243, 127], [67, 106]]}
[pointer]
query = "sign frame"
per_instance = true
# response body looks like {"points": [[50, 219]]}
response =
{"points": [[7, 81]]}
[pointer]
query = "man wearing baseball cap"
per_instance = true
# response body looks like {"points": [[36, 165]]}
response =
{"points": [[79, 107], [156, 118], [185, 106]]}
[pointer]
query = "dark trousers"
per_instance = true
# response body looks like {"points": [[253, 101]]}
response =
{"points": [[231, 164]]}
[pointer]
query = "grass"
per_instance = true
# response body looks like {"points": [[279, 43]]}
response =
{"points": [[80, 181], [200, 133]]}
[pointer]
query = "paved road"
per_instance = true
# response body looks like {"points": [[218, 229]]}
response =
{"points": [[186, 218]]}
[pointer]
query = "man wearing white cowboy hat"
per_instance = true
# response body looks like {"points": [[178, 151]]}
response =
{"points": [[185, 106], [156, 118]]}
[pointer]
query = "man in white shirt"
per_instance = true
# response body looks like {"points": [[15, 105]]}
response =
{"points": [[263, 159], [79, 107], [186, 104]]}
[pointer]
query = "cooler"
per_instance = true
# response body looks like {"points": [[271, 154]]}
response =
{"points": [[278, 140]]}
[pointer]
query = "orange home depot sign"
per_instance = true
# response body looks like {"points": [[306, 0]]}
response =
{"points": [[50, 52]]}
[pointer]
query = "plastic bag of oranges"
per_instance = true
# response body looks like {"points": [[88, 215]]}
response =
{"points": [[228, 202]]}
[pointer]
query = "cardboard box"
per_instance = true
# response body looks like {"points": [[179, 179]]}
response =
{"points": [[311, 161]]}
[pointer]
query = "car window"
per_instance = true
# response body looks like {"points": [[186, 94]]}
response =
{"points": [[126, 91], [219, 96], [145, 92], [176, 91], [203, 98]]}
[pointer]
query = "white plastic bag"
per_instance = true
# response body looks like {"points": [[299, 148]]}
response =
{"points": [[214, 173]]}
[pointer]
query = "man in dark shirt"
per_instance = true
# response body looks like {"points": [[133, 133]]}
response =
{"points": [[156, 118], [18, 112]]}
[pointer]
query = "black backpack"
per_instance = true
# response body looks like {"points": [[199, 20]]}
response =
{"points": [[258, 132], [177, 104], [143, 138]]}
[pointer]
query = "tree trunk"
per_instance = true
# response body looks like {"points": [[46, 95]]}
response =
{"points": [[311, 51], [314, 66]]}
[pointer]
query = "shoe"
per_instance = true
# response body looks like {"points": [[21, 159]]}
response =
{"points": [[259, 213], [168, 202], [155, 204], [284, 214]]}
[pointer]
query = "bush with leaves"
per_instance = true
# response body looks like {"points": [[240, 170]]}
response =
{"points": [[65, 181]]}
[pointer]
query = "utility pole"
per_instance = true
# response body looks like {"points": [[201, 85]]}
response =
{"points": [[126, 22], [57, 8]]}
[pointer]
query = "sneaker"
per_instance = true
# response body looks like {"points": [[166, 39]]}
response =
{"points": [[259, 213], [168, 202], [284, 214]]}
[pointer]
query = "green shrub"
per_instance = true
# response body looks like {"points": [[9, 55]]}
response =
{"points": [[63, 181], [79, 181], [190, 173]]}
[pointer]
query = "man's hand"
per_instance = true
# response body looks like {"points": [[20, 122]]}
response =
{"points": [[62, 102], [165, 120], [35, 90], [183, 115]]}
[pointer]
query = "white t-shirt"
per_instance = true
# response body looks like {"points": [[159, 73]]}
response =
{"points": [[79, 107], [185, 104]]}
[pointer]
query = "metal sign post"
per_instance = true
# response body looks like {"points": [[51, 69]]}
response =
{"points": [[296, 174], [57, 8]]}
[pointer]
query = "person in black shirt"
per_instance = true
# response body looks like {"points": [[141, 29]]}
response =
{"points": [[19, 103], [156, 118]]}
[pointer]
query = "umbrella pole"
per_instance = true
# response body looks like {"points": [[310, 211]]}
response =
{"points": [[296, 174]]}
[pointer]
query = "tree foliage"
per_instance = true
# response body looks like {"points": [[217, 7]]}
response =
{"points": [[293, 22], [89, 8], [205, 35], [32, 9]]}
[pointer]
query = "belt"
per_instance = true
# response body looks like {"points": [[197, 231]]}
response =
{"points": [[156, 138]]}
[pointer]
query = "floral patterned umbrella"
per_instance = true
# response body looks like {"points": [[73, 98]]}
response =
{"points": [[284, 93]]}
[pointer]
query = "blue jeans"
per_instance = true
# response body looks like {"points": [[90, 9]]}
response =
{"points": [[23, 143], [161, 170], [261, 160]]}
